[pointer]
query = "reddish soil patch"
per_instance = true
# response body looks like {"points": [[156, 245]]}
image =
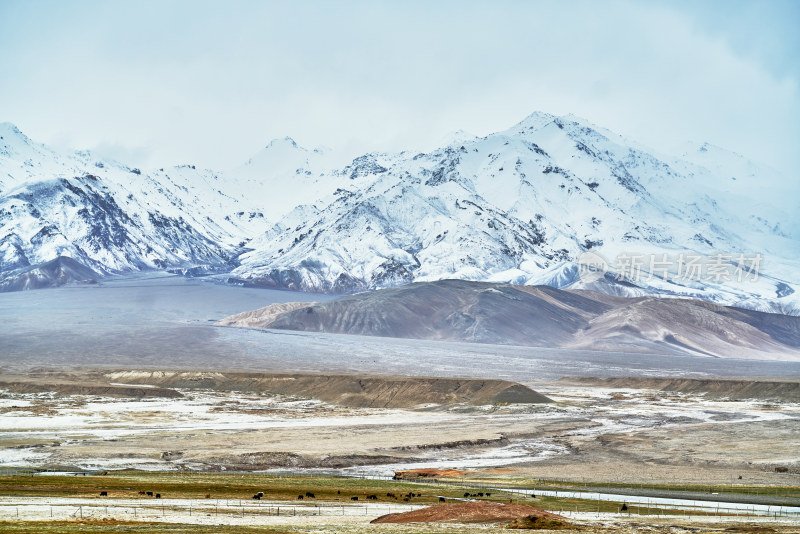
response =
{"points": [[467, 512], [428, 473]]}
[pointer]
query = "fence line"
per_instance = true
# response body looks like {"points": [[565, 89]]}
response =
{"points": [[58, 509], [636, 504], [715, 507]]}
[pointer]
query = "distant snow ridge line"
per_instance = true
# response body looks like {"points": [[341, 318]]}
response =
{"points": [[517, 206]]}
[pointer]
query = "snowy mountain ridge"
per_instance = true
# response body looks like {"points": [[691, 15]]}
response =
{"points": [[524, 205]]}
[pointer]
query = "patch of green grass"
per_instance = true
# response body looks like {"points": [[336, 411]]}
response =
{"points": [[127, 484], [235, 486], [736, 488]]}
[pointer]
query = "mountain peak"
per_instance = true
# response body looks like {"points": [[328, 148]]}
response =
{"points": [[285, 141], [456, 138], [8, 129], [536, 120]]}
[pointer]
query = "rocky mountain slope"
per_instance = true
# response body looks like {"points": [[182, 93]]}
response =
{"points": [[458, 310], [523, 206], [109, 217]]}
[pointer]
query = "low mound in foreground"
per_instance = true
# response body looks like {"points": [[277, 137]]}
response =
{"points": [[475, 512]]}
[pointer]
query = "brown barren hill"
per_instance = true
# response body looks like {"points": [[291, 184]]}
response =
{"points": [[262, 317], [468, 512], [347, 390], [541, 316]]}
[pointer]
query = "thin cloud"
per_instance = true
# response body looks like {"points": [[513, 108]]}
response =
{"points": [[211, 83]]}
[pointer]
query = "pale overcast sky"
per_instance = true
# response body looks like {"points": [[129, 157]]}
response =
{"points": [[156, 83]]}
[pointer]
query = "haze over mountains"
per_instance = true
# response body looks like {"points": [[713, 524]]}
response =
{"points": [[518, 206]]}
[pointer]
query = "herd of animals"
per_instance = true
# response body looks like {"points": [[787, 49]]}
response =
{"points": [[258, 496]]}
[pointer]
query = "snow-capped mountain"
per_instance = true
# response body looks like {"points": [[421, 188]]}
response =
{"points": [[282, 176], [110, 217], [524, 206]]}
